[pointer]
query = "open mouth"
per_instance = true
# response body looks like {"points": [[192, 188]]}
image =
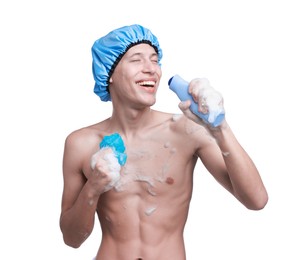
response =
{"points": [[148, 84]]}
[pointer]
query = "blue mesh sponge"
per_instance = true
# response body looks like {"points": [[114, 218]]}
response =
{"points": [[108, 50], [115, 142]]}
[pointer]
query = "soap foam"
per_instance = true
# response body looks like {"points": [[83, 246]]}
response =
{"points": [[113, 165], [210, 99], [149, 211]]}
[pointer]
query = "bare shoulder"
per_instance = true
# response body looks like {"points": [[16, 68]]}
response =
{"points": [[86, 139], [184, 130], [183, 126]]}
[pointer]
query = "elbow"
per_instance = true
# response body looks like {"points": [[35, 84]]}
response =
{"points": [[259, 203], [72, 236], [76, 239], [255, 200], [71, 243], [257, 206]]}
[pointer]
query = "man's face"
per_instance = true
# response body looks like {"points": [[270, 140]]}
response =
{"points": [[136, 77]]}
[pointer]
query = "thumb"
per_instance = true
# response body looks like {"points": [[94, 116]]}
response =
{"points": [[184, 106]]}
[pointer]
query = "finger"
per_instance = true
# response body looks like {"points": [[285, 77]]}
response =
{"points": [[185, 108], [194, 86], [184, 105], [202, 106]]}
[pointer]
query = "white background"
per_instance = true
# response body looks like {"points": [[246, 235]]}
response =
{"points": [[245, 48]]}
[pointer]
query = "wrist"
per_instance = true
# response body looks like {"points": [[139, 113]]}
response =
{"points": [[222, 134], [220, 130], [92, 193]]}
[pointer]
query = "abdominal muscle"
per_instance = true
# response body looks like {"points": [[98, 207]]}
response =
{"points": [[137, 225]]}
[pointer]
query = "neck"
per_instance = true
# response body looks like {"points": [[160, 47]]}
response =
{"points": [[129, 121]]}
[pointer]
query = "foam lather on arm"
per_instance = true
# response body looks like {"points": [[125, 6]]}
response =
{"points": [[115, 142]]}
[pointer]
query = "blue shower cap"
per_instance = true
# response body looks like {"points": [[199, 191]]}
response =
{"points": [[109, 49]]}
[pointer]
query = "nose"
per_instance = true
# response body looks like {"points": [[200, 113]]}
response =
{"points": [[150, 67]]}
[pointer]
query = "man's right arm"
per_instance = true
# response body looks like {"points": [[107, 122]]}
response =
{"points": [[80, 196]]}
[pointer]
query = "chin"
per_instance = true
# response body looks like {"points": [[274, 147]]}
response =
{"points": [[151, 102]]}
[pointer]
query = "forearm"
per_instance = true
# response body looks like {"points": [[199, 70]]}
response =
{"points": [[77, 222], [245, 179]]}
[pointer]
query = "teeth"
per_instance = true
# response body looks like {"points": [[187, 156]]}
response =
{"points": [[146, 83]]}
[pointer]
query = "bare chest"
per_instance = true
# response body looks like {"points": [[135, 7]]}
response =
{"points": [[156, 174], [153, 166]]}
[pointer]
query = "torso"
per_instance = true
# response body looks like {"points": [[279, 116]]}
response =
{"points": [[143, 217]]}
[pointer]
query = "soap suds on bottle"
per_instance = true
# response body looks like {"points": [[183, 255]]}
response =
{"points": [[210, 100]]}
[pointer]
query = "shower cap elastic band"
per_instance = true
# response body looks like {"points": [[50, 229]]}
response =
{"points": [[109, 49]]}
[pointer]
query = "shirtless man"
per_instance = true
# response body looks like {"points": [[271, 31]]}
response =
{"points": [[142, 216]]}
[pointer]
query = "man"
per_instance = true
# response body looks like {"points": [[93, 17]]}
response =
{"points": [[143, 212]]}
